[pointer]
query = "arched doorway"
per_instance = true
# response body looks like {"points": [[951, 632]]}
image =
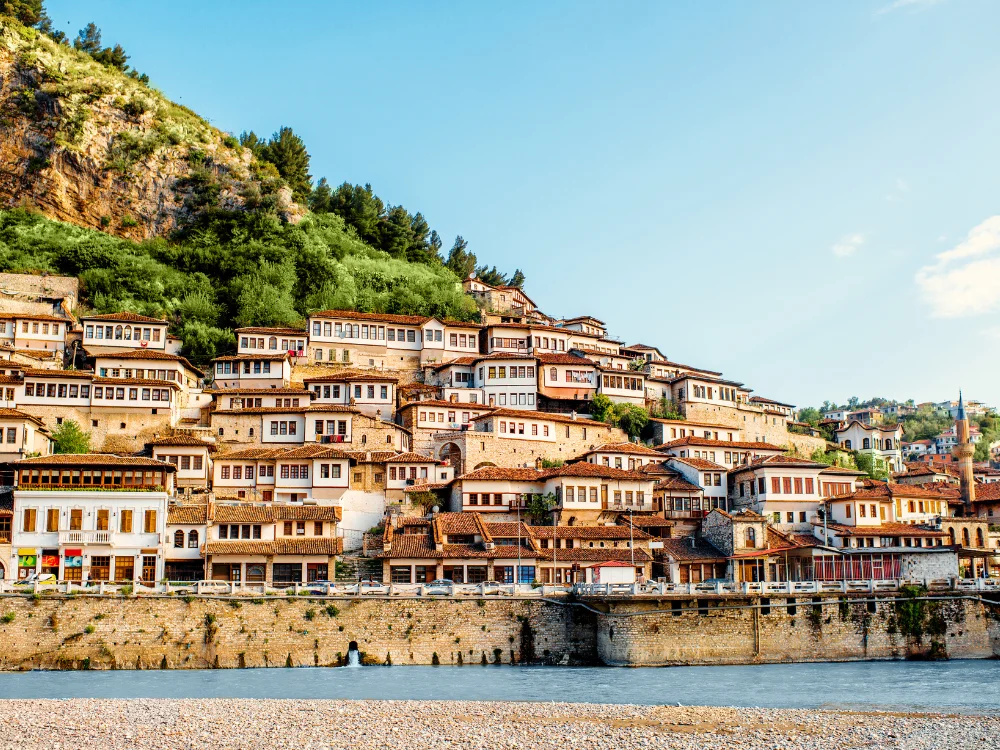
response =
{"points": [[452, 455]]}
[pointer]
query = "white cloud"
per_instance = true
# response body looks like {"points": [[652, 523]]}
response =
{"points": [[848, 245], [965, 280], [911, 5]]}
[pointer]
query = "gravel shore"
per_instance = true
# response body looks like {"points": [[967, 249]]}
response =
{"points": [[221, 724]]}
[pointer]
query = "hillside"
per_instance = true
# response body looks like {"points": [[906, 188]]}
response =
{"points": [[84, 143], [159, 213]]}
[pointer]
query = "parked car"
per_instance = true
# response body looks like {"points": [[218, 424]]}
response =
{"points": [[42, 579], [439, 587]]}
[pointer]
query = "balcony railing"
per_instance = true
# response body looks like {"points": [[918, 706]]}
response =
{"points": [[85, 537]]}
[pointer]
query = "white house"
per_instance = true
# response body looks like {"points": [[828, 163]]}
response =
{"points": [[124, 330], [90, 517]]}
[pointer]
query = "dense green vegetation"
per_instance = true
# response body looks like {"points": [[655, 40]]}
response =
{"points": [[69, 438], [231, 270]]}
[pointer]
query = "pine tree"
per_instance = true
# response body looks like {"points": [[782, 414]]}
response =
{"points": [[460, 261], [287, 152], [517, 279], [28, 12], [89, 39]]}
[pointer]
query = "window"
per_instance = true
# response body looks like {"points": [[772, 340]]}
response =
{"points": [[52, 519], [775, 485], [29, 519], [149, 522], [798, 485], [750, 537], [179, 537], [192, 539], [786, 485], [125, 521]]}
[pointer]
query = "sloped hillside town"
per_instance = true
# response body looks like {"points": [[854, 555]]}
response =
{"points": [[519, 450]]}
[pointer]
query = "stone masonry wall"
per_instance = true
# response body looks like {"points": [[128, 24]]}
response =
{"points": [[108, 434], [176, 633], [699, 633], [277, 631]]}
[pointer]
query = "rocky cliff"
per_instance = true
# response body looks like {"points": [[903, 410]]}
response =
{"points": [[86, 144]]}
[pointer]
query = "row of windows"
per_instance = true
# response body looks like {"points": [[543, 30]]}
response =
{"points": [[790, 517], [516, 399], [192, 539], [439, 417], [871, 510], [573, 376], [402, 472], [56, 390], [792, 485], [500, 372], [233, 368], [712, 479], [296, 471], [504, 343], [632, 463], [299, 528], [543, 342], [54, 516], [118, 394], [95, 477], [185, 463], [370, 333], [831, 489], [332, 427], [239, 531], [283, 427], [116, 372], [456, 340], [517, 428], [287, 345], [623, 383], [45, 328], [121, 333]]}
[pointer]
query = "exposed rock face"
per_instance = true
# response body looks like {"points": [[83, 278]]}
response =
{"points": [[86, 144]]}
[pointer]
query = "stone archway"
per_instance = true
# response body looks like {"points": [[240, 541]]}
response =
{"points": [[483, 465], [452, 454]]}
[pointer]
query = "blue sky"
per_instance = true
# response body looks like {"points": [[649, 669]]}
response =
{"points": [[802, 195]]}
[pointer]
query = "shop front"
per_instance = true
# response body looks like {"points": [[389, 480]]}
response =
{"points": [[27, 562]]}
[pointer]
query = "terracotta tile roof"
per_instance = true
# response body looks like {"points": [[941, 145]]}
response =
{"points": [[190, 515], [457, 523], [147, 354], [504, 356], [243, 513], [18, 414], [10, 380], [334, 409], [412, 320], [543, 415], [350, 377], [677, 483], [278, 331], [33, 316], [987, 492], [636, 448], [698, 442], [842, 470], [503, 474], [251, 454], [647, 520], [95, 459], [683, 551], [413, 458], [702, 464], [417, 388], [307, 513], [319, 545], [182, 440], [762, 400], [36, 373], [565, 359], [507, 530], [589, 532], [311, 450], [427, 487], [585, 469], [371, 457], [458, 361], [124, 317]]}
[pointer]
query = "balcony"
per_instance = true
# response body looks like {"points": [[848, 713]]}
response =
{"points": [[85, 537]]}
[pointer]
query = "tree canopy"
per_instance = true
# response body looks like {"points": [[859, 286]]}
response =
{"points": [[69, 438]]}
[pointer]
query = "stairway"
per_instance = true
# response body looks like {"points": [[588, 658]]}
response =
{"points": [[350, 568]]}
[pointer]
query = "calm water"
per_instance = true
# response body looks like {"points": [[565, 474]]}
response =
{"points": [[963, 686]]}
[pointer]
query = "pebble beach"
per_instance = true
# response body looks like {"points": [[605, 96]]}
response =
{"points": [[223, 724]]}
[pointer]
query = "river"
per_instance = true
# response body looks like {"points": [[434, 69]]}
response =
{"points": [[959, 686]]}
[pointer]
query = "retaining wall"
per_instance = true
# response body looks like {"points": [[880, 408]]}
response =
{"points": [[194, 633]]}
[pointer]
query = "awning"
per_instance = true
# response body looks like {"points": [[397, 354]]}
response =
{"points": [[72, 552], [27, 551]]}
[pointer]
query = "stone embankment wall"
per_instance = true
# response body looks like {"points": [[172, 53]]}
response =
{"points": [[196, 633], [174, 633], [800, 629]]}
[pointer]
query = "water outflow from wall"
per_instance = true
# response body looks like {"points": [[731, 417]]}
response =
{"points": [[353, 655]]}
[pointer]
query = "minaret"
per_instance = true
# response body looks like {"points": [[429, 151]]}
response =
{"points": [[964, 451]]}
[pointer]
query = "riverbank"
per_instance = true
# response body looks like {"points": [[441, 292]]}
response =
{"points": [[415, 725]]}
